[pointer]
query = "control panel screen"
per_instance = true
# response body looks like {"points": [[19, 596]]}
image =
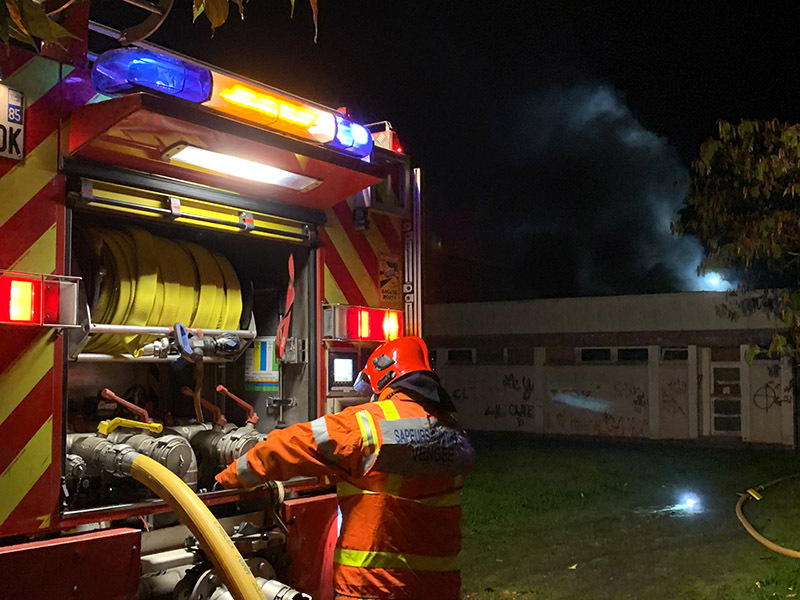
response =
{"points": [[344, 371]]}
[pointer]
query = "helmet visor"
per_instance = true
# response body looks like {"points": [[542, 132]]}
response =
{"points": [[362, 385]]}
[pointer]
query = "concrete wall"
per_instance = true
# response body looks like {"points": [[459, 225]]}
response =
{"points": [[770, 404], [655, 399], [691, 311], [597, 400]]}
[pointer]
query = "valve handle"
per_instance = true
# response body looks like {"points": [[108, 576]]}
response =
{"points": [[106, 427]]}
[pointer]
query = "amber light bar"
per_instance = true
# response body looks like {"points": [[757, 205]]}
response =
{"points": [[271, 109]]}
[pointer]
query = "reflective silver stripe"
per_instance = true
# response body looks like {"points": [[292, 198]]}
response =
{"points": [[326, 446], [245, 474], [367, 462], [369, 438]]}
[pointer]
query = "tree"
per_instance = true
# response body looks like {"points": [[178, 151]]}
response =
{"points": [[743, 206], [30, 20]]}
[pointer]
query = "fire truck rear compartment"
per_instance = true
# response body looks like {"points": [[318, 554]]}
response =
{"points": [[162, 389]]}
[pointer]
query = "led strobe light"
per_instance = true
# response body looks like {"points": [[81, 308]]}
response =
{"points": [[288, 115], [126, 69], [235, 166], [271, 109], [352, 137]]}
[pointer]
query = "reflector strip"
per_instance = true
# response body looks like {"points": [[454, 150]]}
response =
{"points": [[450, 499], [199, 213], [389, 560], [30, 464]]}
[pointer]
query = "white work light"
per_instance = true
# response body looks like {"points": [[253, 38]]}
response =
{"points": [[235, 166]]}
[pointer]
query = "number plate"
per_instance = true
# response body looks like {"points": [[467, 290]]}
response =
{"points": [[12, 123]]}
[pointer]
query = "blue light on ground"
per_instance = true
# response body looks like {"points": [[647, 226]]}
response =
{"points": [[690, 503]]}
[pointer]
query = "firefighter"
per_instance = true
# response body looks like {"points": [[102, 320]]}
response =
{"points": [[399, 462]]}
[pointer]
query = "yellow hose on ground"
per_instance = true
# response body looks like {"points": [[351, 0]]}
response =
{"points": [[754, 492], [212, 538]]}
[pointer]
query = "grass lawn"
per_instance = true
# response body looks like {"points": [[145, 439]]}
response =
{"points": [[559, 519]]}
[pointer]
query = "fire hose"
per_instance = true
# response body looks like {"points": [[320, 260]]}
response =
{"points": [[210, 535], [755, 493], [124, 460], [148, 280]]}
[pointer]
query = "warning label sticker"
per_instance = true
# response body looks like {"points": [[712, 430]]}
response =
{"points": [[391, 289], [262, 368], [12, 125]]}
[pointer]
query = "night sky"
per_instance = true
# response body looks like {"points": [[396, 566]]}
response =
{"points": [[555, 137]]}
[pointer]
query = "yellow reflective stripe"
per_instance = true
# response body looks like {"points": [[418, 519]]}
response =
{"points": [[393, 483], [26, 468], [369, 433], [40, 257], [20, 184], [389, 560], [363, 427], [451, 499], [37, 77], [389, 410], [346, 490], [372, 429], [17, 381]]}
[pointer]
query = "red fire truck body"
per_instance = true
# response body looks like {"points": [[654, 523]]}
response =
{"points": [[324, 273]]}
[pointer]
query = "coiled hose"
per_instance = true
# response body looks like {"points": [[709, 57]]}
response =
{"points": [[212, 538], [154, 281], [755, 493]]}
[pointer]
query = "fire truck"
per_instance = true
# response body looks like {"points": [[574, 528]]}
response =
{"points": [[189, 259]]}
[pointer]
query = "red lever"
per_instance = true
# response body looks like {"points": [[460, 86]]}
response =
{"points": [[252, 417], [216, 413], [137, 410]]}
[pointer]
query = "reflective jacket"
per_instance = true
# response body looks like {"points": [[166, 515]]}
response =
{"points": [[399, 467]]}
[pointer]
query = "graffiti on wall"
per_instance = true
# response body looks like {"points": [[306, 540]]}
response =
{"points": [[522, 384], [606, 425], [628, 392], [767, 396], [673, 395], [604, 411], [462, 394], [520, 392]]}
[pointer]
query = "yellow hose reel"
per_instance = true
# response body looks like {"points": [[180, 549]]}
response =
{"points": [[153, 281]]}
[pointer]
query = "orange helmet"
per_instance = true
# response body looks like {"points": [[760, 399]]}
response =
{"points": [[390, 361]]}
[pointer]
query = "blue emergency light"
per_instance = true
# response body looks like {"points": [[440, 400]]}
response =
{"points": [[352, 137], [128, 69], [125, 69]]}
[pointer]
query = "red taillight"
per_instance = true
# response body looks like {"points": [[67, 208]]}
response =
{"points": [[42, 300], [20, 299], [368, 324]]}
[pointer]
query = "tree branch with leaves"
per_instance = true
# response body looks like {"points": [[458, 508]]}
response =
{"points": [[743, 206], [29, 22]]}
